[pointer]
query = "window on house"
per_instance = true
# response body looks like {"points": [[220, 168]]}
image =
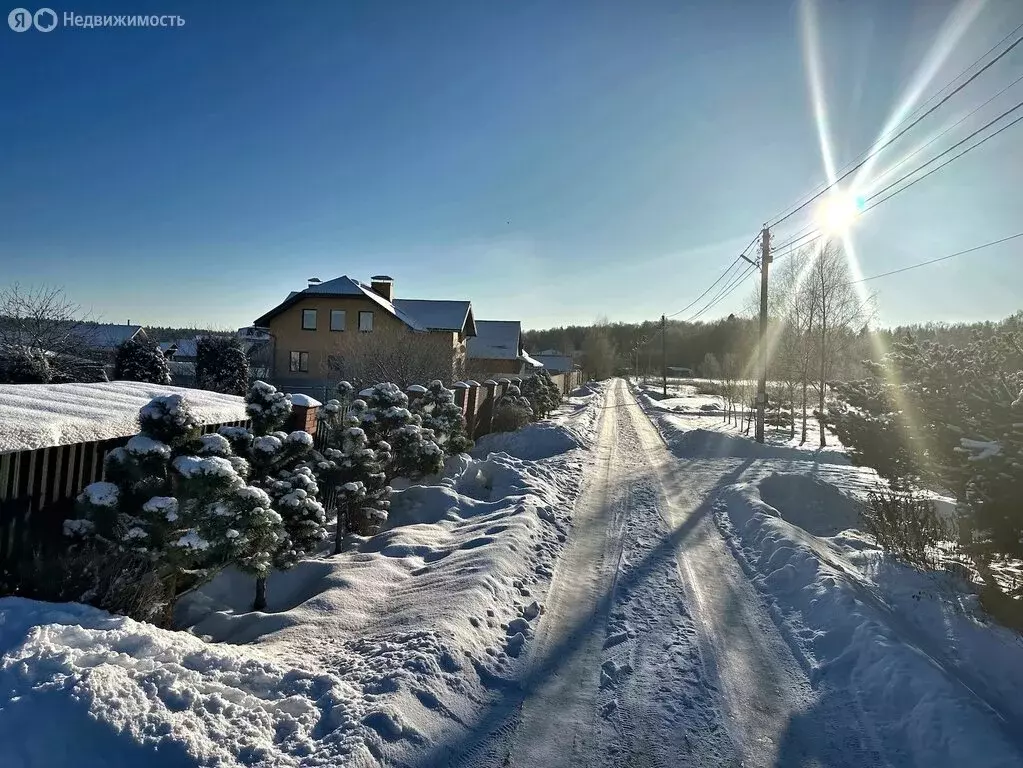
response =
{"points": [[308, 319], [299, 362], [365, 321], [337, 319]]}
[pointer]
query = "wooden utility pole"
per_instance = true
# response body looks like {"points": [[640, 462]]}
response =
{"points": [[765, 260], [664, 355]]}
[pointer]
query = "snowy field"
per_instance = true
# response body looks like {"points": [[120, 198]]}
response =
{"points": [[942, 683], [359, 659]]}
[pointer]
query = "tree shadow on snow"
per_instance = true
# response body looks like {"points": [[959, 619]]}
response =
{"points": [[485, 737]]}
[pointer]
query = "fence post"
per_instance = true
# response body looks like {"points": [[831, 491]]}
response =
{"points": [[487, 422], [472, 405], [414, 392], [461, 390], [303, 414]]}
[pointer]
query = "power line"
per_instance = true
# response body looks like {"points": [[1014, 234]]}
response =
{"points": [[709, 289], [955, 125], [942, 258], [721, 277], [916, 170], [950, 160], [949, 84], [725, 292], [877, 150]]}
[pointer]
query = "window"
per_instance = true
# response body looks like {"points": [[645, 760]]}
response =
{"points": [[308, 319], [337, 319], [299, 362], [365, 321]]}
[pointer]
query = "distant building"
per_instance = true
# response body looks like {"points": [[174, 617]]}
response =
{"points": [[497, 350], [555, 363], [305, 329]]}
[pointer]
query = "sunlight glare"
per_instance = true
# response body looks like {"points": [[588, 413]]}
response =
{"points": [[837, 212]]}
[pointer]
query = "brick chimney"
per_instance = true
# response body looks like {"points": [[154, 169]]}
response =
{"points": [[383, 285]]}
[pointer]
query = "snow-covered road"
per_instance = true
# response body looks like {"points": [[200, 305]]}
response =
{"points": [[655, 648]]}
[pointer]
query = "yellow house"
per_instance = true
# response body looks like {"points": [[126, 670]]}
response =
{"points": [[343, 328]]}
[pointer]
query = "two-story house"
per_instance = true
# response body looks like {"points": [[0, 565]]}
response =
{"points": [[343, 328]]}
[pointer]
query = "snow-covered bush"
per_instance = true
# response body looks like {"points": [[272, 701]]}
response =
{"points": [[355, 473], [221, 365], [511, 411], [117, 580], [25, 366], [281, 517], [141, 360], [268, 408], [947, 418], [164, 500], [440, 414], [542, 393], [383, 413]]}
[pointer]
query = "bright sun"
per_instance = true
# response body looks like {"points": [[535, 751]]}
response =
{"points": [[837, 212]]}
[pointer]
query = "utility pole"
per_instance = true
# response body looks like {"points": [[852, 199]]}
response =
{"points": [[664, 355], [765, 260]]}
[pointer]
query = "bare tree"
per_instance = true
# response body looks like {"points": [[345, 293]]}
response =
{"points": [[41, 321], [390, 354], [840, 313], [599, 352]]}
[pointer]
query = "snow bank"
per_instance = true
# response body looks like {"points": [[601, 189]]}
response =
{"points": [[363, 658], [928, 672], [39, 415]]}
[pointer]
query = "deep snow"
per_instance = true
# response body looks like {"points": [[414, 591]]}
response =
{"points": [[38, 415], [363, 657]]}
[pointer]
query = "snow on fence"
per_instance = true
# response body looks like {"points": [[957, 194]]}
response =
{"points": [[53, 442]]}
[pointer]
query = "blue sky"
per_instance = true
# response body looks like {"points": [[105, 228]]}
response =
{"points": [[552, 161]]}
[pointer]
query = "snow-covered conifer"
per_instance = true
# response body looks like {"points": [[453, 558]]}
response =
{"points": [[141, 360], [440, 414], [221, 365]]}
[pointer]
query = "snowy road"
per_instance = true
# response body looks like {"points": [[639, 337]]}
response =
{"points": [[655, 648]]}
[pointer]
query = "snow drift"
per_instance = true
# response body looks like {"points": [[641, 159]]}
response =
{"points": [[928, 672], [363, 657]]}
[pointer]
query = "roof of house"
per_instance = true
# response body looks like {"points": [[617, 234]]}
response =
{"points": [[105, 335], [556, 363], [440, 315], [40, 415], [182, 347], [495, 340], [417, 314]]}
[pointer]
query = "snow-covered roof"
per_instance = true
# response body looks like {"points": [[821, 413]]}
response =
{"points": [[40, 415], [182, 347], [524, 357], [341, 286], [439, 315], [555, 363], [549, 352], [495, 340], [105, 335]]}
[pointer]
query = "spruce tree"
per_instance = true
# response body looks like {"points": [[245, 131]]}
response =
{"points": [[141, 360], [221, 365], [355, 471]]}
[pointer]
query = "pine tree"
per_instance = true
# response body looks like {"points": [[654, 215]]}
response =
{"points": [[141, 360], [382, 412], [278, 468], [542, 393], [512, 410], [221, 365], [439, 413], [355, 471], [165, 499]]}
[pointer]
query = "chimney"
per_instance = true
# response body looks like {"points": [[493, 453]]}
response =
{"points": [[383, 285]]}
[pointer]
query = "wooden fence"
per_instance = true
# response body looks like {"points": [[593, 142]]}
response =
{"points": [[38, 489]]}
